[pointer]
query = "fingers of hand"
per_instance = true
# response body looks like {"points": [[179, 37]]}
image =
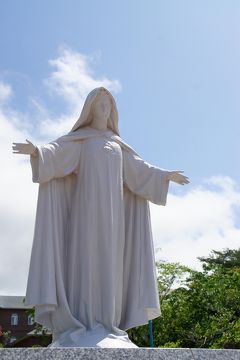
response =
{"points": [[16, 147], [180, 179], [185, 180], [19, 148]]}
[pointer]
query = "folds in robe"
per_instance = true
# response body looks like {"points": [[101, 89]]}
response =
{"points": [[92, 257]]}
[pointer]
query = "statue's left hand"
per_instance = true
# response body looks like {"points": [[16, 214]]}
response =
{"points": [[177, 177]]}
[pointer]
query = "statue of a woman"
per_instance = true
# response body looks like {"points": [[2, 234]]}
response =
{"points": [[92, 273]]}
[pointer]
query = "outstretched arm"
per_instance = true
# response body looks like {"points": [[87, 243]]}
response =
{"points": [[177, 177], [54, 160], [149, 181], [26, 149]]}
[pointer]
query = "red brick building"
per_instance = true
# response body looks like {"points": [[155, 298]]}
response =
{"points": [[13, 317]]}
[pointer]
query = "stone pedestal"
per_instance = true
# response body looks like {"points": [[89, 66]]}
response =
{"points": [[116, 354]]}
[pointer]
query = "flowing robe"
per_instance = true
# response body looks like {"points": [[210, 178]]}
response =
{"points": [[92, 261]]}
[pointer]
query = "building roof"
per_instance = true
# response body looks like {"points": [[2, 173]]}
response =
{"points": [[13, 302]]}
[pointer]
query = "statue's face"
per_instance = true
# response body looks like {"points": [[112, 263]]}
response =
{"points": [[102, 108]]}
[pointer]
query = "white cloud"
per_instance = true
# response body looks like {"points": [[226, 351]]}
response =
{"points": [[197, 222], [72, 79], [5, 92], [17, 206]]}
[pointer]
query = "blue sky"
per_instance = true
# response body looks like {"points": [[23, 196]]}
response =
{"points": [[174, 70], [178, 63]]}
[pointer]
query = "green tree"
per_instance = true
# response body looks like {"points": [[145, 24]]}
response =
{"points": [[170, 276], [4, 338], [199, 308], [215, 300], [229, 258]]}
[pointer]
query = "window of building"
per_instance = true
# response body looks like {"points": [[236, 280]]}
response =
{"points": [[14, 319], [30, 320]]}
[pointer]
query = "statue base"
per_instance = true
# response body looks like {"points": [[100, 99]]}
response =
{"points": [[117, 354]]}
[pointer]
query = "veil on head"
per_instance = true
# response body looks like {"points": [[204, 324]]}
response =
{"points": [[85, 117]]}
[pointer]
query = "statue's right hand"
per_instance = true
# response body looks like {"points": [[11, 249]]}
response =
{"points": [[22, 148]]}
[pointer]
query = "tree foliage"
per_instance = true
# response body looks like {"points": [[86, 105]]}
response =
{"points": [[198, 308]]}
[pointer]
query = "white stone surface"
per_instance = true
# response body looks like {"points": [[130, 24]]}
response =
{"points": [[117, 354]]}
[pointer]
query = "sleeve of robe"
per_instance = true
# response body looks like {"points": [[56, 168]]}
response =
{"points": [[55, 160], [148, 181]]}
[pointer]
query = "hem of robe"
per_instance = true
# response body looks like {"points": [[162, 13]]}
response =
{"points": [[99, 336], [139, 316]]}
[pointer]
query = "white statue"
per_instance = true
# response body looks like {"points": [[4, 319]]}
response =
{"points": [[92, 273]]}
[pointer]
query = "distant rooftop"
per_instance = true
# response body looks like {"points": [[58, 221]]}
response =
{"points": [[12, 302]]}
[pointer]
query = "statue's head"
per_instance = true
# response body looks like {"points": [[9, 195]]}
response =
{"points": [[99, 103], [101, 107]]}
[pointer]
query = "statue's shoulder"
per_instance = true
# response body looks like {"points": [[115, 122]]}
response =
{"points": [[80, 134], [123, 144]]}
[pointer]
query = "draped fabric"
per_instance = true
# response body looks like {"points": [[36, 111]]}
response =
{"points": [[92, 264]]}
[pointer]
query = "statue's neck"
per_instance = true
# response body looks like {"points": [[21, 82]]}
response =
{"points": [[99, 123]]}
